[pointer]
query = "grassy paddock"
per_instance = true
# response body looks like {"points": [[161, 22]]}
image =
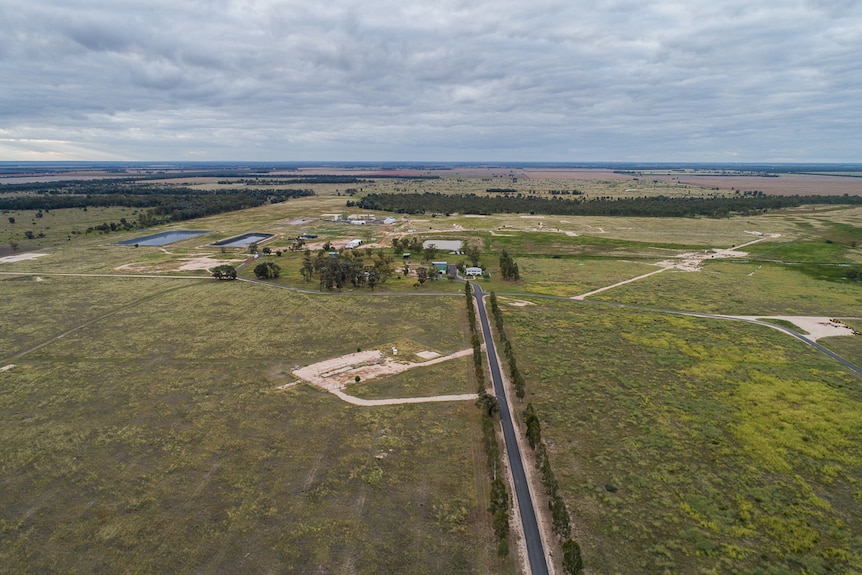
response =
{"points": [[694, 445], [155, 439], [742, 288]]}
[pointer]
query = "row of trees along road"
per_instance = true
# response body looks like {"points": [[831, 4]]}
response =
{"points": [[500, 501], [572, 561]]}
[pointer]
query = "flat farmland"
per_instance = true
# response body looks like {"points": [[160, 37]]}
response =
{"points": [[784, 184], [686, 445], [151, 421], [153, 436]]}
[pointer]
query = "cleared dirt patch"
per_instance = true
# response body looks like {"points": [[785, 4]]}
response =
{"points": [[334, 375], [204, 262], [20, 258], [816, 327]]}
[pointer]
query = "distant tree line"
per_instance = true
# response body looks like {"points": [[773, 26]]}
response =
{"points": [[173, 203], [292, 179], [656, 206]]}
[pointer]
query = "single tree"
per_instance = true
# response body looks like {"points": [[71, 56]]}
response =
{"points": [[307, 270], [573, 563], [421, 275], [508, 267], [372, 278]]}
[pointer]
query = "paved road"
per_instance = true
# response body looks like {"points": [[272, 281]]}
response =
{"points": [[535, 550]]}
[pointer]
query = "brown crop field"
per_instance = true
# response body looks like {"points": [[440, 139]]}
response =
{"points": [[803, 185]]}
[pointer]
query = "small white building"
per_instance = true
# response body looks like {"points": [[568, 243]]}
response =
{"points": [[353, 244], [473, 272]]}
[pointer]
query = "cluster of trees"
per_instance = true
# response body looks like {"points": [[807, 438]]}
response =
{"points": [[500, 503], [658, 206], [423, 274], [224, 272], [144, 220], [855, 275], [358, 268], [267, 270], [170, 203], [508, 267], [347, 267], [411, 244]]}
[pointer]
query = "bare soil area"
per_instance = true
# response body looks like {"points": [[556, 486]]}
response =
{"points": [[817, 327], [334, 375], [20, 257], [204, 262], [784, 185]]}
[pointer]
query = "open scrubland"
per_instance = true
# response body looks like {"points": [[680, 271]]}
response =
{"points": [[695, 445], [151, 420], [153, 436]]}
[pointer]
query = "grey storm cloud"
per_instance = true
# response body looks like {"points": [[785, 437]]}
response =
{"points": [[532, 80]]}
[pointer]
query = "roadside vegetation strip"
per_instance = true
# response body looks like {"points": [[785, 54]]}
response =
{"points": [[500, 503], [572, 562]]}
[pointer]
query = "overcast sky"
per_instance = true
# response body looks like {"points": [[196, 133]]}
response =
{"points": [[444, 80]]}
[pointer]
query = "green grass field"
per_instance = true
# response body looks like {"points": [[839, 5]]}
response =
{"points": [[143, 430], [153, 438], [686, 445]]}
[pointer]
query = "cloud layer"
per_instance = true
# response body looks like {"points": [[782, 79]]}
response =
{"points": [[450, 80]]}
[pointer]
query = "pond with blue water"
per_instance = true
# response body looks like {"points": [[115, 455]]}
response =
{"points": [[243, 241], [162, 238]]}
